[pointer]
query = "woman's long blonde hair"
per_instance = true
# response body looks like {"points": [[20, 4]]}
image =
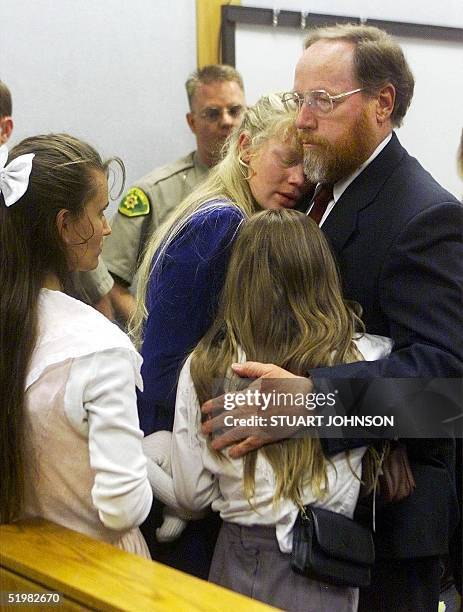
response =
{"points": [[281, 303], [268, 118]]}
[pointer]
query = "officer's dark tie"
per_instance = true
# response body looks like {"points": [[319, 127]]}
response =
{"points": [[320, 202]]}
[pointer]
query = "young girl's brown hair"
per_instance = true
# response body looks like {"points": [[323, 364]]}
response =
{"points": [[281, 303]]}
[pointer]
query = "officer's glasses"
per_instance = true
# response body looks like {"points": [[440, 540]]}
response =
{"points": [[213, 114], [318, 100]]}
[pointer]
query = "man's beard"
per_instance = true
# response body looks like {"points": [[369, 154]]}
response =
{"points": [[328, 163]]}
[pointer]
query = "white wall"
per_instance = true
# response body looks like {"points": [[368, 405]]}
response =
{"points": [[113, 72], [109, 71], [267, 56]]}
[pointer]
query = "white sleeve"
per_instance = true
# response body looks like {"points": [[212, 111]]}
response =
{"points": [[195, 486], [373, 347], [157, 448], [100, 397]]}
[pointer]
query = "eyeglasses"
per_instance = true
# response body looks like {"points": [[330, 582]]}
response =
{"points": [[213, 114], [318, 100]]}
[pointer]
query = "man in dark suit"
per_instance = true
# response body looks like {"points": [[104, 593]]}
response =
{"points": [[397, 237]]}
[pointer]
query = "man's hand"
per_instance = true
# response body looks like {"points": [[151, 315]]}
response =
{"points": [[250, 426]]}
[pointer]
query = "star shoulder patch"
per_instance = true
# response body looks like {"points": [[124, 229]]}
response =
{"points": [[135, 203]]}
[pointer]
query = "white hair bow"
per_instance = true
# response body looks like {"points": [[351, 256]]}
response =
{"points": [[14, 178]]}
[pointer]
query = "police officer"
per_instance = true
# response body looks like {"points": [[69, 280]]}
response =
{"points": [[216, 99]]}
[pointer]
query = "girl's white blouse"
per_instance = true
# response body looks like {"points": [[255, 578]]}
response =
{"points": [[202, 478], [88, 361]]}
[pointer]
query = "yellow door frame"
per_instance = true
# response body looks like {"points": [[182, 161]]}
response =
{"points": [[208, 16]]}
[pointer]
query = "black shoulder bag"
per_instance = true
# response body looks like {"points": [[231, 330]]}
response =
{"points": [[332, 548]]}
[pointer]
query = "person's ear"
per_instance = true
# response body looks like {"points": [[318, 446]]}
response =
{"points": [[244, 143], [64, 226], [6, 127], [385, 103], [191, 120]]}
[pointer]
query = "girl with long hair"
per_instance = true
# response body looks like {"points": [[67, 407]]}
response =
{"points": [[71, 447], [281, 303]]}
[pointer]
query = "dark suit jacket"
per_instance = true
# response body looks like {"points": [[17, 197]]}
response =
{"points": [[397, 236]]}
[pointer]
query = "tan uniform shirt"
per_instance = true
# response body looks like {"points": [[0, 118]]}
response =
{"points": [[93, 285], [164, 189]]}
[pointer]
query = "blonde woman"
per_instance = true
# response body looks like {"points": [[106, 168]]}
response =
{"points": [[183, 268], [281, 303]]}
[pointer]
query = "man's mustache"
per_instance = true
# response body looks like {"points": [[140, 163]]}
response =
{"points": [[308, 138]]}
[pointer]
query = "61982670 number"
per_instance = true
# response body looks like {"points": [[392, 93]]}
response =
{"points": [[29, 598]]}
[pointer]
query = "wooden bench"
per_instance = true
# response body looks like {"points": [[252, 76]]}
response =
{"points": [[37, 556]]}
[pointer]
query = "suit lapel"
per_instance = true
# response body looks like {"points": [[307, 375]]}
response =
{"points": [[342, 220]]}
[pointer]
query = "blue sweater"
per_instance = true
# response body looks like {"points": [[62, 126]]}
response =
{"points": [[182, 300]]}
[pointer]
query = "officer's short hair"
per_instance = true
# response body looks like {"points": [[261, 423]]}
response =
{"points": [[211, 74], [378, 60], [6, 105]]}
